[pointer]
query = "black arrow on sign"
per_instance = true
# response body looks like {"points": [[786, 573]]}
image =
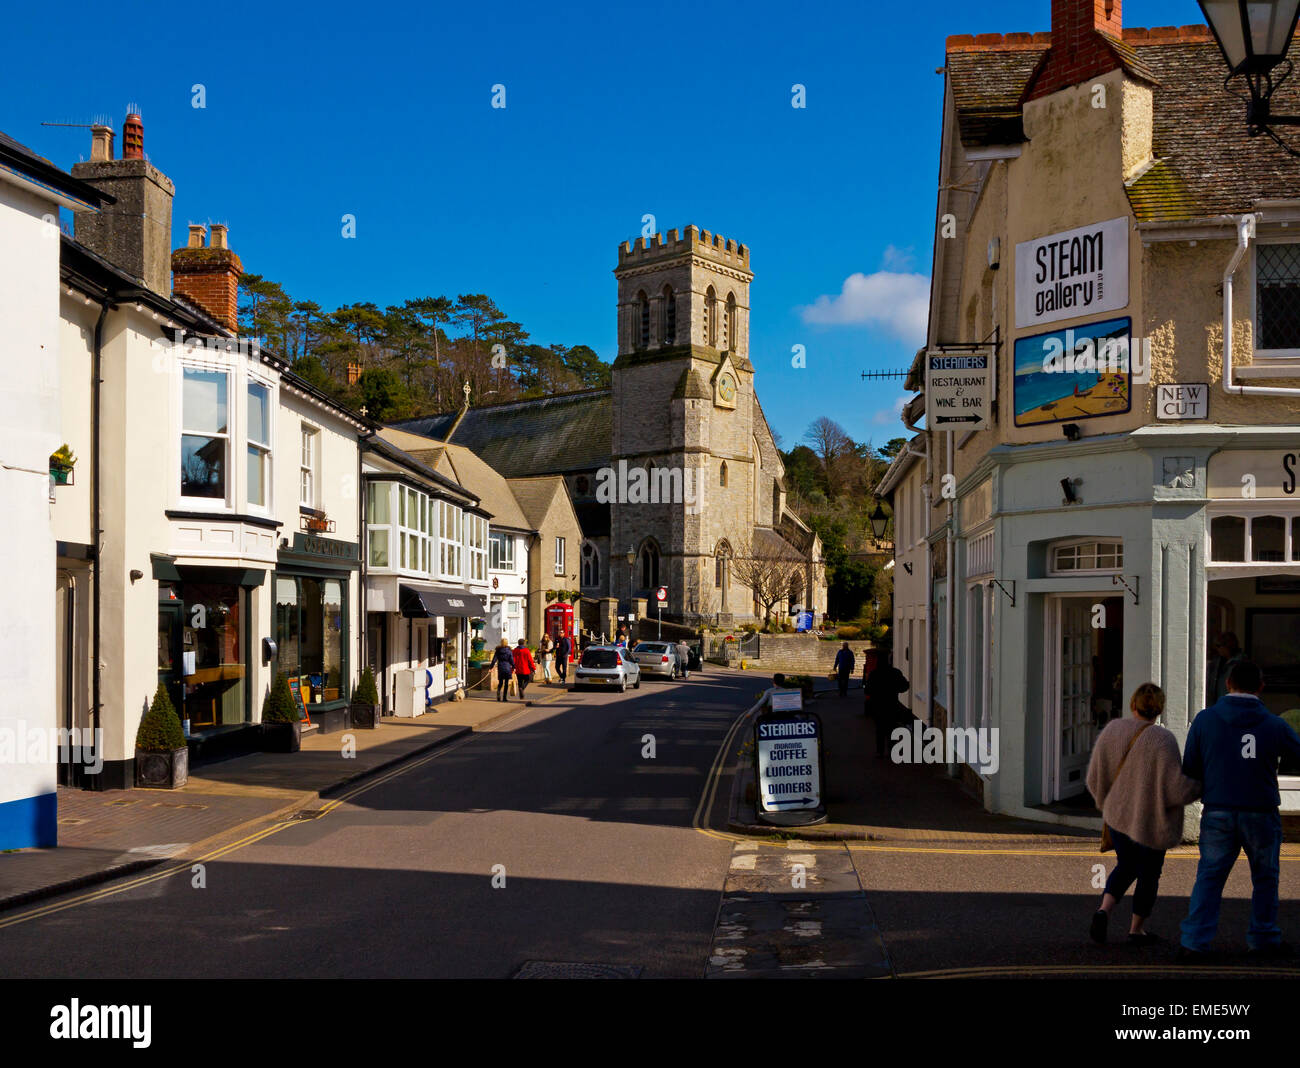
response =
{"points": [[956, 418], [792, 801]]}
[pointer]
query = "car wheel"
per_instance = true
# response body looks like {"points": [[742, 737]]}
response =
{"points": [[622, 685], [637, 685]]}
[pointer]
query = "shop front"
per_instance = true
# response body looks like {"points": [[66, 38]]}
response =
{"points": [[205, 645], [311, 624]]}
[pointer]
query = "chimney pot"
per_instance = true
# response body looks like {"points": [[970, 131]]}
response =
{"points": [[133, 137], [218, 239], [101, 142], [198, 235]]}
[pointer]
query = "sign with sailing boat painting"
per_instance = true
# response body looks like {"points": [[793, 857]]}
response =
{"points": [[1067, 375]]}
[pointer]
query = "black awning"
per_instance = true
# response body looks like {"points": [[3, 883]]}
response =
{"points": [[423, 602]]}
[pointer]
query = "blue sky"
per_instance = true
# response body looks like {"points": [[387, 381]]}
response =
{"points": [[384, 112]]}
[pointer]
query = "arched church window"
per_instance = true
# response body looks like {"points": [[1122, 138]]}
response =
{"points": [[643, 306], [649, 566], [590, 564], [670, 316], [722, 474], [729, 325], [710, 317]]}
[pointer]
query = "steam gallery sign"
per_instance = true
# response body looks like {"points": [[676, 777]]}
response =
{"points": [[1073, 273]]}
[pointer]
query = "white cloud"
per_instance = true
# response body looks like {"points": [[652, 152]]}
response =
{"points": [[896, 301], [890, 416]]}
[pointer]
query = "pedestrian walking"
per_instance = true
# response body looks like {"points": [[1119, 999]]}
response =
{"points": [[683, 654], [1227, 653], [525, 666], [880, 698], [1136, 778], [563, 650], [1233, 748], [504, 662], [844, 668], [544, 652]]}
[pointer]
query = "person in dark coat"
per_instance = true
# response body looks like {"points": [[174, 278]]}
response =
{"points": [[844, 668], [1227, 653], [881, 689], [504, 662], [563, 650]]}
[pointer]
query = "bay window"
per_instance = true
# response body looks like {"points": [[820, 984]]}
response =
{"points": [[205, 433], [378, 511], [478, 547], [450, 537]]}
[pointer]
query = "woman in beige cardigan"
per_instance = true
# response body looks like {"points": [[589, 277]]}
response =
{"points": [[1136, 778]]}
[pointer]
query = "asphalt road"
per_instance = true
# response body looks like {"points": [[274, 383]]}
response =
{"points": [[594, 842]]}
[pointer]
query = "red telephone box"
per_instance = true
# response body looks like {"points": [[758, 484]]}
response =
{"points": [[559, 623]]}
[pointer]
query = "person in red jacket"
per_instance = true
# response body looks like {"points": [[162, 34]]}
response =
{"points": [[525, 666]]}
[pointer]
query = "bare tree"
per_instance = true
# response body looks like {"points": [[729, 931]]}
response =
{"points": [[770, 567], [832, 444]]}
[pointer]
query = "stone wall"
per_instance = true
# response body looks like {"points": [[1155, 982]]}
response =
{"points": [[801, 654]]}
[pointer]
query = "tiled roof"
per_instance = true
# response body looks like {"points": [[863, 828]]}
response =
{"points": [[550, 435], [535, 496], [1205, 162]]}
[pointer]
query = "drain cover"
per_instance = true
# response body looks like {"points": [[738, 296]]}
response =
{"points": [[307, 814], [552, 969]]}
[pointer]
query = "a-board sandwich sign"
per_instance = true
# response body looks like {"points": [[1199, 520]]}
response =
{"points": [[787, 751]]}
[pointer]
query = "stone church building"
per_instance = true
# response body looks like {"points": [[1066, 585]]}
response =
{"points": [[674, 466]]}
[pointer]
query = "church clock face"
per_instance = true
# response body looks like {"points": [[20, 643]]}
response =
{"points": [[727, 388]]}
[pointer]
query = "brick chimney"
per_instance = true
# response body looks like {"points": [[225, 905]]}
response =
{"points": [[135, 234], [208, 274], [1079, 51]]}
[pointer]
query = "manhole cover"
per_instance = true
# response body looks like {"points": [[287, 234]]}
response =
{"points": [[551, 969]]}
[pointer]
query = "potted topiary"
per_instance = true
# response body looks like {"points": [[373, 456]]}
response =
{"points": [[365, 701], [162, 759], [280, 719]]}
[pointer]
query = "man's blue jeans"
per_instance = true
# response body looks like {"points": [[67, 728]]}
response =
{"points": [[1224, 833]]}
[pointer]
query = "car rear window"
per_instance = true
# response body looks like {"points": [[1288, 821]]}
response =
{"points": [[652, 647], [600, 658]]}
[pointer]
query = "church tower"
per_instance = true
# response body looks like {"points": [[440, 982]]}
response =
{"points": [[683, 412]]}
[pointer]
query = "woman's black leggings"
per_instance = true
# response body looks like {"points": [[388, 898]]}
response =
{"points": [[1134, 861]]}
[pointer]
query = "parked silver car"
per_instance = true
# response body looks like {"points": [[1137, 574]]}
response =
{"points": [[606, 667], [656, 658]]}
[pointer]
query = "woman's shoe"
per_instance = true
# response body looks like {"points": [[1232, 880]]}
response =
{"points": [[1097, 929], [1144, 938]]}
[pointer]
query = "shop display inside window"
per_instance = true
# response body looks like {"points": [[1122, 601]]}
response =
{"points": [[213, 668], [311, 631]]}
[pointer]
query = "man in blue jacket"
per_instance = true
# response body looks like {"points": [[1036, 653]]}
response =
{"points": [[1233, 748]]}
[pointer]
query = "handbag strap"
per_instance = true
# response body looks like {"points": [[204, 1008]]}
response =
{"points": [[1128, 749]]}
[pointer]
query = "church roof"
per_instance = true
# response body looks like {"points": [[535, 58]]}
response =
{"points": [[548, 435]]}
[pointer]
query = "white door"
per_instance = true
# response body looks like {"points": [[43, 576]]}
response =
{"points": [[1069, 696]]}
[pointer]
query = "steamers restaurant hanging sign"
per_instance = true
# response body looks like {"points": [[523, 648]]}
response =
{"points": [[1073, 273]]}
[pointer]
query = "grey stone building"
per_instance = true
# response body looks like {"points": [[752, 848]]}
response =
{"points": [[674, 465]]}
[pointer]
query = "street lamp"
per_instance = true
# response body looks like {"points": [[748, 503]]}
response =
{"points": [[878, 519], [630, 557], [1254, 37]]}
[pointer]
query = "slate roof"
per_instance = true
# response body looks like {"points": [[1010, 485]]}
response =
{"points": [[1205, 163], [39, 169], [535, 496], [549, 435]]}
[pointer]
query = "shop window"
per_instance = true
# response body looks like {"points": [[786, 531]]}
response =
{"points": [[212, 654], [1277, 296], [311, 633], [1268, 538], [1228, 538], [205, 433], [259, 445], [1087, 556]]}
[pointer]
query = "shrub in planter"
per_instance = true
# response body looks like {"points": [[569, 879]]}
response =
{"points": [[280, 730], [849, 633], [365, 701], [162, 759]]}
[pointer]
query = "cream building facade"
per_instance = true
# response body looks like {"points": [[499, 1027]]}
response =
{"points": [[1111, 523]]}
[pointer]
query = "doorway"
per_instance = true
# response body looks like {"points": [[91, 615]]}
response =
{"points": [[1084, 687], [377, 655]]}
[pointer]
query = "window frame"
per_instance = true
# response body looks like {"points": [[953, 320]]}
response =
{"points": [[560, 555], [505, 560], [265, 449], [1260, 353], [1055, 547], [310, 467], [229, 435]]}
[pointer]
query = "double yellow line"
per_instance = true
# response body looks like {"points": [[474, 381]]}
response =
{"points": [[256, 836]]}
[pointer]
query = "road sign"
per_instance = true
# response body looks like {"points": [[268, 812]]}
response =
{"points": [[661, 594], [957, 390], [787, 746]]}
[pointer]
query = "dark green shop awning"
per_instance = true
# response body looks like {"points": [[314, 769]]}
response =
{"points": [[424, 602]]}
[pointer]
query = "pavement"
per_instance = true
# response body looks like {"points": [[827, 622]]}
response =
{"points": [[109, 834], [952, 891]]}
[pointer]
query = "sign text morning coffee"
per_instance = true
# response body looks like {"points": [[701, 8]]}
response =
{"points": [[1073, 273]]}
